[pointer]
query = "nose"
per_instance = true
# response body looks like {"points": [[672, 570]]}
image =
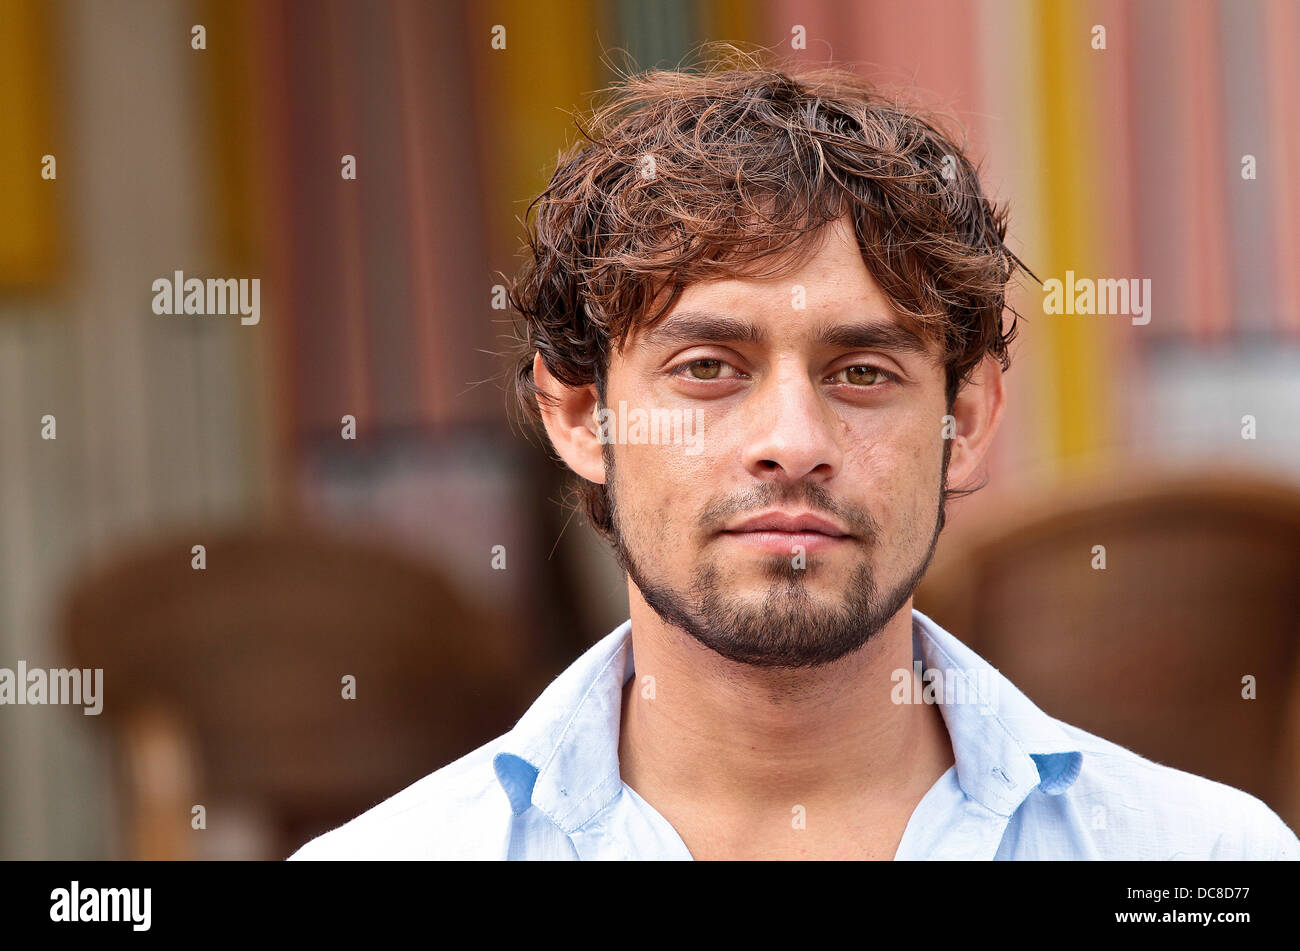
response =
{"points": [[791, 432]]}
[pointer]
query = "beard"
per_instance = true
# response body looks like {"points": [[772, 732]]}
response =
{"points": [[790, 627]]}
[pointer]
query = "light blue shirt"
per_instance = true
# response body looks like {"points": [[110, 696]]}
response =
{"points": [[1024, 785]]}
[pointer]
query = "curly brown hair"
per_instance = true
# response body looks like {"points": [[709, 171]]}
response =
{"points": [[747, 157]]}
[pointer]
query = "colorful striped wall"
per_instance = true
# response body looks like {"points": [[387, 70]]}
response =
{"points": [[1119, 162]]}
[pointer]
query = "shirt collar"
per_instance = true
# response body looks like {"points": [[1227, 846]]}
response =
{"points": [[1004, 746], [562, 755]]}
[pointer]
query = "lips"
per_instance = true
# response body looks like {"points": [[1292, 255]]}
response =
{"points": [[796, 524]]}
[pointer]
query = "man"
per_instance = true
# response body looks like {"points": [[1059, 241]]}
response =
{"points": [[763, 324]]}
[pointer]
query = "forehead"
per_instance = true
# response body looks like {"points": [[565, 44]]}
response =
{"points": [[829, 270], [825, 295]]}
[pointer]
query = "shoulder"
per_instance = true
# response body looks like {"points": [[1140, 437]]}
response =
{"points": [[458, 811], [1132, 807]]}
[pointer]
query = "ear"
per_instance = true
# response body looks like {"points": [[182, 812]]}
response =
{"points": [[977, 409], [569, 414]]}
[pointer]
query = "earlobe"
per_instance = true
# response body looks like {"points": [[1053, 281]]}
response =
{"points": [[977, 409], [569, 415]]}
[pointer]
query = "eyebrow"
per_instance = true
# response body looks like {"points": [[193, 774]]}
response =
{"points": [[705, 327]]}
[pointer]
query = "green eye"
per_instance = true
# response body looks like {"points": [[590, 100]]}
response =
{"points": [[864, 375], [704, 369]]}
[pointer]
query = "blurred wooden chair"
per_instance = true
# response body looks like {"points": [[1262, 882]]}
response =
{"points": [[224, 687], [1201, 588]]}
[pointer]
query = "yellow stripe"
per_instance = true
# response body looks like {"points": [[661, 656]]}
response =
{"points": [[229, 96], [1073, 344], [29, 239], [731, 20], [547, 68]]}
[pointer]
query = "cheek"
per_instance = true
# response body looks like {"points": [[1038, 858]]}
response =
{"points": [[673, 462], [896, 472], [665, 491], [665, 483]]}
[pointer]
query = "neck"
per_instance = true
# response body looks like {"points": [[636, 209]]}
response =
{"points": [[745, 740]]}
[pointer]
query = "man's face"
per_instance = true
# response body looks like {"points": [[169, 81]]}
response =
{"points": [[830, 410]]}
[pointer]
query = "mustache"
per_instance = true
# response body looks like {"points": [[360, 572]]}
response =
{"points": [[810, 495]]}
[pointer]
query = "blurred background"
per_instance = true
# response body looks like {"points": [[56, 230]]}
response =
{"points": [[1170, 152]]}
